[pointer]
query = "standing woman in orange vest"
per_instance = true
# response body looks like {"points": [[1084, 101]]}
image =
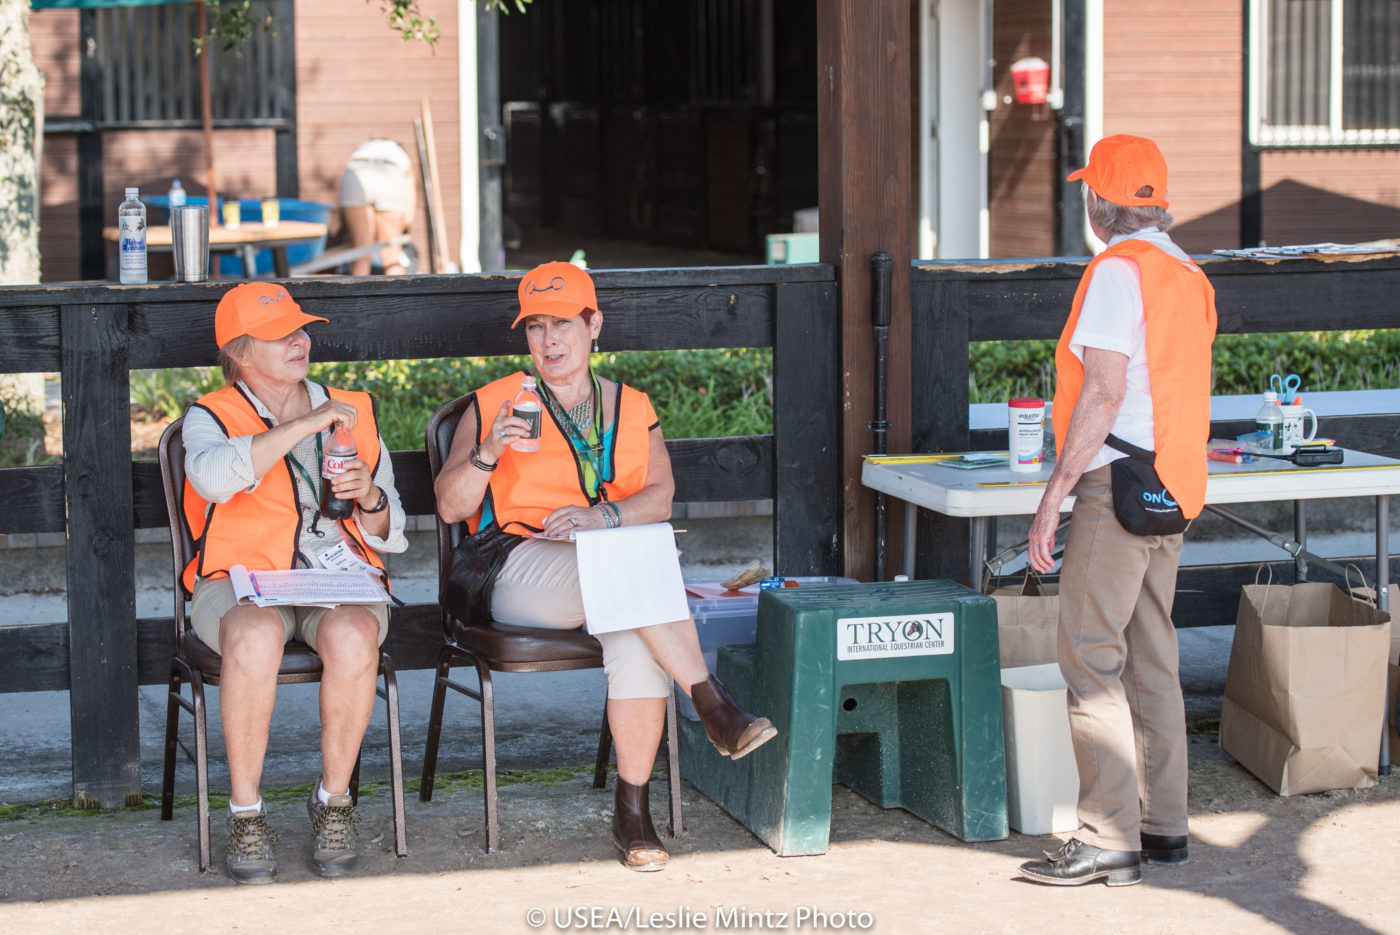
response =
{"points": [[1133, 361], [601, 463], [253, 498]]}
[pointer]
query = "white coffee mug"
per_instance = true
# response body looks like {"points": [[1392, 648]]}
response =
{"points": [[1293, 426]]}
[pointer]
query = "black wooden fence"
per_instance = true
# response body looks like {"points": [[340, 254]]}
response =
{"points": [[94, 335], [958, 302]]}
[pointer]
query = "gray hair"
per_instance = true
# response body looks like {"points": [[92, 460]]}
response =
{"points": [[228, 358], [1118, 219]]}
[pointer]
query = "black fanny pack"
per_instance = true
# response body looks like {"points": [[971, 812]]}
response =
{"points": [[1141, 501]]}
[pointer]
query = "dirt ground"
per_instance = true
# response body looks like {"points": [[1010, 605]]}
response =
{"points": [[1259, 863]]}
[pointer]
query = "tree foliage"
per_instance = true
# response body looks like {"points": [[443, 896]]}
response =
{"points": [[233, 21]]}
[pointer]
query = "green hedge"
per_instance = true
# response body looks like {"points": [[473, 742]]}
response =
{"points": [[703, 394], [697, 394], [1242, 363]]}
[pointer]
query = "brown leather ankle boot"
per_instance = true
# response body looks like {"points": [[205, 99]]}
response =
{"points": [[633, 833], [734, 731]]}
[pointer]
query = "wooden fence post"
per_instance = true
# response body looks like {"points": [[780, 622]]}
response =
{"points": [[940, 397], [101, 556], [807, 431]]}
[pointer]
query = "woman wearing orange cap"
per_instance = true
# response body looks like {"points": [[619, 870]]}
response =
{"points": [[601, 462], [253, 453], [1132, 377]]}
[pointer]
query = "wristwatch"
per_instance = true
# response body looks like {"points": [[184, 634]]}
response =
{"points": [[479, 464], [379, 507]]}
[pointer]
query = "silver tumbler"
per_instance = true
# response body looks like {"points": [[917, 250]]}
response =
{"points": [[189, 237]]}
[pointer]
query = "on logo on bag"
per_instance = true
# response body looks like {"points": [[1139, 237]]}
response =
{"points": [[1161, 498]]}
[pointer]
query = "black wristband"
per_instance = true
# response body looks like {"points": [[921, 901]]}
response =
{"points": [[379, 507]]}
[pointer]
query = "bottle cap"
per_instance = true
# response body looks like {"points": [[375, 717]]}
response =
{"points": [[528, 382], [1270, 396], [132, 192]]}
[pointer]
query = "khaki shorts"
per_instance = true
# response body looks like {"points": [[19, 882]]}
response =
{"points": [[213, 597]]}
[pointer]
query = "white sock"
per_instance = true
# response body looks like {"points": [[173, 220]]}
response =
{"points": [[323, 796], [240, 809]]}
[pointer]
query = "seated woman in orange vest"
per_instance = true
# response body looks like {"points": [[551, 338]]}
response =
{"points": [[601, 462], [253, 462]]}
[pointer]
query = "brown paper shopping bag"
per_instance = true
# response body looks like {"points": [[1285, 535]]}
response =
{"points": [[1305, 689], [1028, 622], [1392, 669]]}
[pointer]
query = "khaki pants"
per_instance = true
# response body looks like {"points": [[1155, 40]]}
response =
{"points": [[538, 587], [1118, 654]]}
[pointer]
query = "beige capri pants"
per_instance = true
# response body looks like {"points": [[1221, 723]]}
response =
{"points": [[538, 587], [213, 597]]}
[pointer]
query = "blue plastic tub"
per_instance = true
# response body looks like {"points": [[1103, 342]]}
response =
{"points": [[292, 209]]}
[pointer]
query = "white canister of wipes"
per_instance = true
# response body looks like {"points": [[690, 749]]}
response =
{"points": [[1026, 423]]}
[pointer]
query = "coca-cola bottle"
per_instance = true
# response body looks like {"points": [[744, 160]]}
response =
{"points": [[340, 450], [527, 407]]}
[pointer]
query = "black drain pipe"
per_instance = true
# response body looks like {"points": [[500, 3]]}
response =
{"points": [[881, 277]]}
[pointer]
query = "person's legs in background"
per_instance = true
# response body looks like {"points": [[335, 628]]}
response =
{"points": [[360, 225], [387, 226]]}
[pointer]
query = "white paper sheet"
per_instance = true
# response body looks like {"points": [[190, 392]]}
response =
{"points": [[313, 586], [630, 577]]}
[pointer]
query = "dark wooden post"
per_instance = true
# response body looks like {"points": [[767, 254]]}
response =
{"points": [[806, 419], [1072, 152], [92, 252], [864, 150], [102, 635], [941, 333], [284, 139]]}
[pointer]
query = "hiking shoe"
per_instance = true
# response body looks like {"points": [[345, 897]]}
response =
{"points": [[333, 826], [248, 855]]}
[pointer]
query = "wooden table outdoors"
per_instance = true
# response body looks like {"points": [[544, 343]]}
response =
{"points": [[245, 240]]}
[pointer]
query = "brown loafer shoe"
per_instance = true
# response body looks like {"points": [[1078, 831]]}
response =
{"points": [[734, 732], [633, 834]]}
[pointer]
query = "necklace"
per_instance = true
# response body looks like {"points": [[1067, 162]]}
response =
{"points": [[582, 414]]}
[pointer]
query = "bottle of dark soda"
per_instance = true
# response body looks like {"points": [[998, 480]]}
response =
{"points": [[339, 450]]}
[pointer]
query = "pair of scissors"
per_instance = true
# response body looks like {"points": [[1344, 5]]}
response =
{"points": [[1286, 387]]}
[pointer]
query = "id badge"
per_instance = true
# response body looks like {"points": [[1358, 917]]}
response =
{"points": [[341, 557]]}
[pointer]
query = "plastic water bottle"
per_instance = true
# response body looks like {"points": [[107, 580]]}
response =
{"points": [[340, 449], [131, 221], [1269, 419], [177, 194], [527, 407]]}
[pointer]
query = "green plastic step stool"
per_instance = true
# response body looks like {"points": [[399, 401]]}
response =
{"points": [[921, 730]]}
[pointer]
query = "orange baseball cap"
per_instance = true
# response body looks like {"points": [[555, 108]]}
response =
{"points": [[263, 310], [559, 289], [1119, 166]]}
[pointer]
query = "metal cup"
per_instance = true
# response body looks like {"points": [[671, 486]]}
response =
{"points": [[189, 237]]}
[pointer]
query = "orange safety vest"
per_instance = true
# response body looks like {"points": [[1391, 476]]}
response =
{"points": [[1179, 305], [528, 486], [259, 528]]}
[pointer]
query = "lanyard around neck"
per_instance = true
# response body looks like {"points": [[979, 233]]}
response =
{"points": [[588, 452], [315, 491]]}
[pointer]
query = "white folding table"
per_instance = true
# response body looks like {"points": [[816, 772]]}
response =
{"points": [[979, 494]]}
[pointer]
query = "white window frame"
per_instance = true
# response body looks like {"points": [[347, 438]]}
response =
{"points": [[1262, 133]]}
